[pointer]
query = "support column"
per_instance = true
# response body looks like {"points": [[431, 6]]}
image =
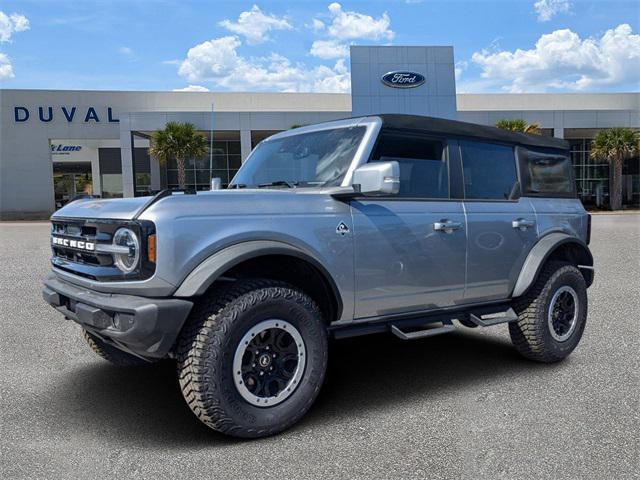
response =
{"points": [[245, 144], [95, 174], [558, 132], [154, 165], [126, 157]]}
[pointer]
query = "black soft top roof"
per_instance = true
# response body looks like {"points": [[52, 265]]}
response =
{"points": [[454, 128]]}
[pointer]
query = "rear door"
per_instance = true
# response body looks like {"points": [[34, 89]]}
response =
{"points": [[410, 248], [501, 224]]}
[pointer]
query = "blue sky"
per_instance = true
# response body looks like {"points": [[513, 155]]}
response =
{"points": [[500, 46]]}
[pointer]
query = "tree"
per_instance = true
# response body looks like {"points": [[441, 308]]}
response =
{"points": [[615, 145], [180, 141], [518, 125]]}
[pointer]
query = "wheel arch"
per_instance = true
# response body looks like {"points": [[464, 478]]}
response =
{"points": [[271, 259], [554, 246]]}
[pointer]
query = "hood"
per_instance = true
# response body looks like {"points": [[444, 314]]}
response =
{"points": [[116, 208], [203, 204], [241, 203]]}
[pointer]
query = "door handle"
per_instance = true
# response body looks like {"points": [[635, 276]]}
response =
{"points": [[522, 224], [446, 226]]}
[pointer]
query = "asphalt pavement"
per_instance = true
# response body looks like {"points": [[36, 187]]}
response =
{"points": [[462, 405]]}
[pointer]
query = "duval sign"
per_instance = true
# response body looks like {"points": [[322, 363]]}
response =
{"points": [[47, 114], [403, 79]]}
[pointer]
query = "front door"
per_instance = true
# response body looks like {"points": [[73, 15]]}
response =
{"points": [[410, 248]]}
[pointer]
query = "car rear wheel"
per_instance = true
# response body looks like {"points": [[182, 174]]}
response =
{"points": [[552, 314], [252, 358]]}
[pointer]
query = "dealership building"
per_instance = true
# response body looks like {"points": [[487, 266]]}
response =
{"points": [[56, 144]]}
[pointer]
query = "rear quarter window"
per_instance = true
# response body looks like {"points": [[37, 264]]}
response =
{"points": [[548, 172]]}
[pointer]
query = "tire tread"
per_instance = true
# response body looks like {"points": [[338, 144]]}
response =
{"points": [[201, 341], [529, 334]]}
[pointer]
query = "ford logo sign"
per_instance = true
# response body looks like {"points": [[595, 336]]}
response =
{"points": [[401, 79]]}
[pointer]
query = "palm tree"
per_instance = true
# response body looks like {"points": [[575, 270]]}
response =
{"points": [[518, 125], [615, 145], [180, 141]]}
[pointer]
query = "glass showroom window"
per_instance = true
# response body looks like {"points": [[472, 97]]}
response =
{"points": [[224, 162], [592, 176]]}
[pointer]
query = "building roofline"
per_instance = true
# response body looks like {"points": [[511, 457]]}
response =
{"points": [[468, 102], [81, 90]]}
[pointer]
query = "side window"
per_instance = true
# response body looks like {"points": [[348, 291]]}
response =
{"points": [[489, 171], [424, 171], [548, 172]]}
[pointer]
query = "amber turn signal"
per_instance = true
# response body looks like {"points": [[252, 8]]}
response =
{"points": [[151, 248]]}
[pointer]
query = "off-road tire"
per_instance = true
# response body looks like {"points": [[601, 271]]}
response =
{"points": [[531, 334], [207, 347], [112, 354]]}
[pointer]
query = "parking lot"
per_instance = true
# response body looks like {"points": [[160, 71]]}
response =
{"points": [[462, 405]]}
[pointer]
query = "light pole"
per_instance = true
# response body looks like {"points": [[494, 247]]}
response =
{"points": [[211, 148]]}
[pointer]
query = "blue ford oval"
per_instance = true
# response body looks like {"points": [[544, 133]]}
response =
{"points": [[402, 79]]}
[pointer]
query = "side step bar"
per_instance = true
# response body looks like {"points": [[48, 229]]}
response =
{"points": [[492, 318], [486, 317], [430, 325], [446, 326]]}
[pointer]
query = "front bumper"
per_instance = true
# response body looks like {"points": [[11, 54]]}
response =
{"points": [[147, 327]]}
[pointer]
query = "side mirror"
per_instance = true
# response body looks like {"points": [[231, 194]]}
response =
{"points": [[377, 178]]}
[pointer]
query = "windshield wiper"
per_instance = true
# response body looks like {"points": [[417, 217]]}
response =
{"points": [[279, 183]]}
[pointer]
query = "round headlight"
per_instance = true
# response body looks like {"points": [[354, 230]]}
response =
{"points": [[126, 260]]}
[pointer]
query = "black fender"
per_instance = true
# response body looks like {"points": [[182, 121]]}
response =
{"points": [[201, 277], [544, 249]]}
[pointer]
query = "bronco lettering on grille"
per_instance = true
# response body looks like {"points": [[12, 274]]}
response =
{"points": [[79, 244]]}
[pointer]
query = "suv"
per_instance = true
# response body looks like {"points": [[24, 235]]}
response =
{"points": [[387, 223]]}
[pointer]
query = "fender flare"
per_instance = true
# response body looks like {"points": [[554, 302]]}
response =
{"points": [[541, 252], [201, 277]]}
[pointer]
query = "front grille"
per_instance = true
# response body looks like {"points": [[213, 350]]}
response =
{"points": [[78, 246], [79, 233], [74, 229], [83, 258]]}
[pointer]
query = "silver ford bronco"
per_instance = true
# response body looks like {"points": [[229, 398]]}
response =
{"points": [[389, 223]]}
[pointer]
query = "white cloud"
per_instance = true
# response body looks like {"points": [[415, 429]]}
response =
{"points": [[212, 59], [329, 49], [547, 9], [192, 88], [255, 24], [219, 62], [562, 60], [10, 24], [6, 70], [347, 25], [126, 51], [317, 25]]}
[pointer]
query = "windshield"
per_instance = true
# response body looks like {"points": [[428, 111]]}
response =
{"points": [[309, 159]]}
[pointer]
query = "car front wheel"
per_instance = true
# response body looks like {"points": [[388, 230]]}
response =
{"points": [[252, 358]]}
